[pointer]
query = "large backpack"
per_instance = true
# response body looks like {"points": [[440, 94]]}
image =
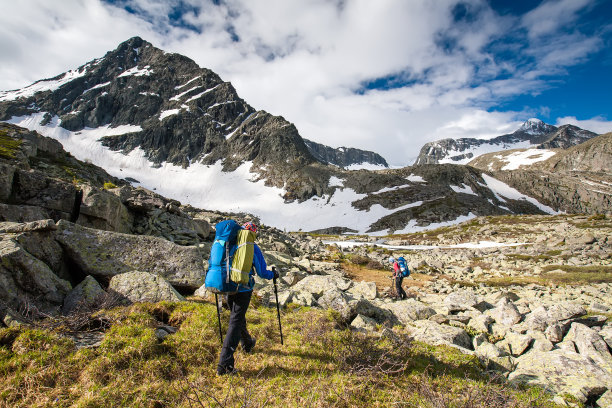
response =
{"points": [[404, 271], [222, 256]]}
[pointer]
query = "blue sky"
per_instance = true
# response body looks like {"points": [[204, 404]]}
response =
{"points": [[385, 75]]}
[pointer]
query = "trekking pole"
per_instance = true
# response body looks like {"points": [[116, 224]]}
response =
{"points": [[218, 318], [280, 327]]}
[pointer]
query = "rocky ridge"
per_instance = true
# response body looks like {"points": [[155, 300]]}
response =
{"points": [[345, 156], [533, 132]]}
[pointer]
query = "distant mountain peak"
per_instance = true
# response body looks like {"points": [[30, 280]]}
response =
{"points": [[535, 126]]}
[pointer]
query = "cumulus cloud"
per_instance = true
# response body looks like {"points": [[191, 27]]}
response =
{"points": [[386, 76], [597, 124]]}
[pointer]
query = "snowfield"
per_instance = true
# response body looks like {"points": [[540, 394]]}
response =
{"points": [[208, 187], [524, 158]]}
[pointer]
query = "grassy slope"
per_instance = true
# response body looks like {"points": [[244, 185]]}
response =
{"points": [[319, 366]]}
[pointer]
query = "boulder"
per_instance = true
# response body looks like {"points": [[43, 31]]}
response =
{"points": [[202, 292], [319, 284], [435, 334], [336, 300], [106, 254], [590, 344], [494, 358], [562, 371], [363, 323], [19, 227], [85, 295], [463, 300], [22, 213], [515, 343], [304, 299], [104, 210], [480, 323], [136, 286], [605, 401], [278, 258], [407, 311], [26, 278], [365, 289], [36, 189], [506, 312], [606, 334], [562, 313], [373, 309]]}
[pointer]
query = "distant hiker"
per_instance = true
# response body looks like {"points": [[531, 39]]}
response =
{"points": [[238, 303], [399, 272]]}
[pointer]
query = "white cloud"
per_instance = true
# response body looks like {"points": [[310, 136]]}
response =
{"points": [[598, 124], [305, 60]]}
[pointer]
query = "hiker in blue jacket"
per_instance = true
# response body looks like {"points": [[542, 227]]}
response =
{"points": [[238, 304]]}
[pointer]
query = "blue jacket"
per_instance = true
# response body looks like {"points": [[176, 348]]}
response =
{"points": [[260, 267]]}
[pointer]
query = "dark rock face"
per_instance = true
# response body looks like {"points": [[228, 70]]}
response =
{"points": [[344, 156], [567, 136], [184, 113]]}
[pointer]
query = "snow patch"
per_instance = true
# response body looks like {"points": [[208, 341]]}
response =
{"points": [[416, 179], [137, 72], [364, 166], [41, 86], [335, 182], [501, 189], [465, 189], [97, 86], [525, 158], [466, 245], [167, 113], [187, 83]]}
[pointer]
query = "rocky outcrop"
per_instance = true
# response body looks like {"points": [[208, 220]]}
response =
{"points": [[105, 254], [84, 296], [28, 281], [138, 286], [344, 156]]}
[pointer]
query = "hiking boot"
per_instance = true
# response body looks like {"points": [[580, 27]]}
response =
{"points": [[249, 347], [222, 370]]}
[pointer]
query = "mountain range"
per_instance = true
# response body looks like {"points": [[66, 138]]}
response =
{"points": [[533, 132], [159, 121]]}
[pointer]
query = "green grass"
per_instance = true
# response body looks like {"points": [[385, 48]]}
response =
{"points": [[320, 365], [108, 185], [8, 145]]}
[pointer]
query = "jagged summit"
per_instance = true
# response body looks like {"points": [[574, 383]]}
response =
{"points": [[535, 126]]}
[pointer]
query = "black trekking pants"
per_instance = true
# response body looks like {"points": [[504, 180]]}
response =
{"points": [[398, 288], [237, 329]]}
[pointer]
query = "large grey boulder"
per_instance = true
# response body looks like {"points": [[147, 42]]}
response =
{"points": [[363, 323], [106, 254], [104, 210], [463, 300], [407, 311], [136, 286], [6, 180], [562, 313], [22, 213], [365, 289], [493, 357], [336, 300], [590, 344], [319, 284], [26, 278], [435, 334], [505, 312], [84, 295], [561, 371], [515, 343]]}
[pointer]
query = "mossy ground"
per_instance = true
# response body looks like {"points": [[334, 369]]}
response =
{"points": [[8, 145], [320, 365]]}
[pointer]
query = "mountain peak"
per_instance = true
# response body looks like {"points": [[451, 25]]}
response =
{"points": [[535, 126]]}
